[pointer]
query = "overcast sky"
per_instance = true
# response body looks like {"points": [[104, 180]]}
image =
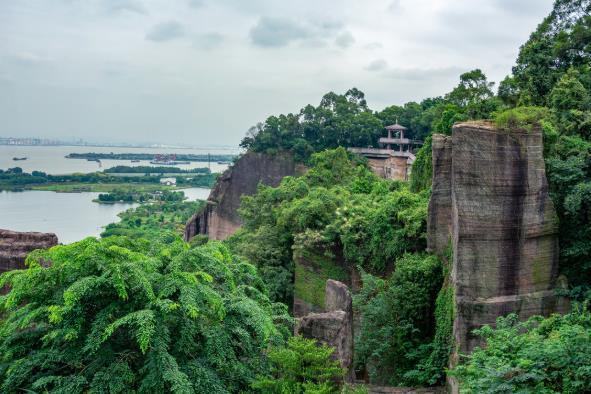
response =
{"points": [[201, 72]]}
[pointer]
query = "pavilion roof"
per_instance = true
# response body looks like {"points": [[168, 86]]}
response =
{"points": [[396, 127]]}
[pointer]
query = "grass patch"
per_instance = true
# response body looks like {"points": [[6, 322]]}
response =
{"points": [[312, 270], [521, 118]]}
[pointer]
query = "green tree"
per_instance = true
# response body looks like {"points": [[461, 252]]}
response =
{"points": [[560, 42], [301, 367], [398, 320], [538, 356], [120, 315], [474, 95]]}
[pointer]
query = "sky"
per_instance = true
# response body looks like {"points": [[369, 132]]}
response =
{"points": [[201, 72]]}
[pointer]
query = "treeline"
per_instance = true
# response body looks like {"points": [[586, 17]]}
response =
{"points": [[131, 196], [155, 170], [166, 215], [346, 120], [15, 177], [150, 156]]}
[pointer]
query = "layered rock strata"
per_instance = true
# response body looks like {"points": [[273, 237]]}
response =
{"points": [[219, 218], [14, 247], [333, 327], [490, 207]]}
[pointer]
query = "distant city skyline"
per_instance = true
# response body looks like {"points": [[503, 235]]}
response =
{"points": [[201, 72], [35, 141]]}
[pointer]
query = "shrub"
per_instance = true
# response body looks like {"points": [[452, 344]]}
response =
{"points": [[301, 367], [550, 355]]}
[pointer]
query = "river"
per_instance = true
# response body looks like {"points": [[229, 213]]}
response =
{"points": [[71, 216], [51, 159]]}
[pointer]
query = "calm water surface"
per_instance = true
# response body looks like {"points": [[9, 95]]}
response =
{"points": [[71, 216], [51, 159]]}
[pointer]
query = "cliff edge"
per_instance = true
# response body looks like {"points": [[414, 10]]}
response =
{"points": [[490, 207], [219, 218]]}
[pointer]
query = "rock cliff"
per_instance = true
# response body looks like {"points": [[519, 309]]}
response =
{"points": [[490, 207], [219, 218], [333, 327], [14, 247]]}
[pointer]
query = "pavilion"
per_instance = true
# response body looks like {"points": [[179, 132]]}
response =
{"points": [[395, 157]]}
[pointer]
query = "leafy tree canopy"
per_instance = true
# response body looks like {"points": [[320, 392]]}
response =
{"points": [[120, 315], [301, 367], [538, 356]]}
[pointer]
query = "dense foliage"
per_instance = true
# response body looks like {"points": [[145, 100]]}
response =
{"points": [[339, 204], [15, 177], [118, 315], [538, 356], [341, 216], [561, 42], [118, 195], [154, 220], [301, 367], [398, 322]]}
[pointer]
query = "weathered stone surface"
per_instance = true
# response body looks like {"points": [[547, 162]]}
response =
{"points": [[219, 218], [14, 247], [334, 327], [390, 168], [439, 219], [490, 198], [338, 297]]}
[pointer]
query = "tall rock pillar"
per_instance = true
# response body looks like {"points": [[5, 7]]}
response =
{"points": [[490, 206]]}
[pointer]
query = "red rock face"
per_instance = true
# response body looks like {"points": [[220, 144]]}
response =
{"points": [[490, 205], [219, 219], [14, 247]]}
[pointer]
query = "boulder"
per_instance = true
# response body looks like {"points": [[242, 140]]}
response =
{"points": [[338, 297], [333, 327], [219, 218], [14, 247]]}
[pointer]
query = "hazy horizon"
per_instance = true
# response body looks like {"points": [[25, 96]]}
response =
{"points": [[199, 72]]}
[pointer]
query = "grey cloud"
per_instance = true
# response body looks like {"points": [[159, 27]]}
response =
{"points": [[345, 40], [329, 25], [125, 5], [517, 7], [165, 31], [395, 6], [423, 74], [373, 45], [208, 41], [277, 32], [28, 58], [196, 3], [377, 65]]}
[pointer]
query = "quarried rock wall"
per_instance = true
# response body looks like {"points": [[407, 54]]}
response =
{"points": [[14, 247], [333, 327], [219, 218], [490, 205]]}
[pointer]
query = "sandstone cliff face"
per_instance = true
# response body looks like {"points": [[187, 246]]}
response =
{"points": [[490, 204], [14, 247], [219, 219], [333, 327]]}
